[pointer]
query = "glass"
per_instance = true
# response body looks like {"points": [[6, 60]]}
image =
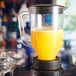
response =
{"points": [[46, 30], [7, 64]]}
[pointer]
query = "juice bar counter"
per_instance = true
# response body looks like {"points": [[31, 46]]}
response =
{"points": [[24, 72]]}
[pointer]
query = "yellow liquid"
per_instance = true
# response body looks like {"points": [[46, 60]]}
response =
{"points": [[46, 42]]}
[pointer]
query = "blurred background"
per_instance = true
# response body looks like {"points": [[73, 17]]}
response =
{"points": [[10, 40]]}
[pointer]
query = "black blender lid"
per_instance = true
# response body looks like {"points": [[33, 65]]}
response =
{"points": [[52, 2], [34, 2]]}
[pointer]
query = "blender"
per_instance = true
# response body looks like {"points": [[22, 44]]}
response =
{"points": [[46, 38]]}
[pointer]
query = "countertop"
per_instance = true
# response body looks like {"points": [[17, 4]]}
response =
{"points": [[23, 72]]}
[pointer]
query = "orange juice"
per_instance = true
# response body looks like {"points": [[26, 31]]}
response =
{"points": [[46, 42]]}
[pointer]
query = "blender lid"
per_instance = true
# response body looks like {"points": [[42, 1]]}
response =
{"points": [[53, 2]]}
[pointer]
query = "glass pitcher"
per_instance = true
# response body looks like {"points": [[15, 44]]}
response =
{"points": [[46, 30]]}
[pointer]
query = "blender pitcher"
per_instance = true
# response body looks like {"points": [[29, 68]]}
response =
{"points": [[46, 29]]}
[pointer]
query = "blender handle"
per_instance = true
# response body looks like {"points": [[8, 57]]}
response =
{"points": [[22, 24]]}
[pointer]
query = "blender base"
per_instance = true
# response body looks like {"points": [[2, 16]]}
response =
{"points": [[47, 68]]}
